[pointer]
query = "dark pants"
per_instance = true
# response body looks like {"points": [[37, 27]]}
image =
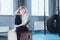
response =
{"points": [[19, 30], [18, 21]]}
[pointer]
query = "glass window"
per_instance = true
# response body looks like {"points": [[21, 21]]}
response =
{"points": [[6, 7], [38, 7]]}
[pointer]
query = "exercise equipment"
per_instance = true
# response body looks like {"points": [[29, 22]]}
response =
{"points": [[52, 24]]}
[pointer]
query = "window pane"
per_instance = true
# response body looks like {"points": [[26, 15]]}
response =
{"points": [[38, 8], [6, 7], [34, 7], [41, 8], [46, 7]]}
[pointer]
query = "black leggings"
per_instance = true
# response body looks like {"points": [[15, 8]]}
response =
{"points": [[18, 21], [19, 30]]}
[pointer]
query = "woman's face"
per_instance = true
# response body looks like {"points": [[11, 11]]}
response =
{"points": [[22, 11]]}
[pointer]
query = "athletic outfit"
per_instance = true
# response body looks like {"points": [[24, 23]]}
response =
{"points": [[19, 20]]}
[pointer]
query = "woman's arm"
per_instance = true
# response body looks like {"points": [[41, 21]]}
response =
{"points": [[17, 11], [25, 23]]}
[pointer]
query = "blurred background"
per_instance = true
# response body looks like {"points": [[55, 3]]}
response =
{"points": [[39, 10]]}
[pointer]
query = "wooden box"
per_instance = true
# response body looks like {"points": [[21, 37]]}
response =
{"points": [[26, 35], [12, 35]]}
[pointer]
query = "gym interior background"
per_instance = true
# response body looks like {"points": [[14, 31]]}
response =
{"points": [[43, 22]]}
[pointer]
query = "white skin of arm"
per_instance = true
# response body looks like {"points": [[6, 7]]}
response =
{"points": [[18, 11]]}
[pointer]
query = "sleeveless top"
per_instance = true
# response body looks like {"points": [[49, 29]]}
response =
{"points": [[18, 19]]}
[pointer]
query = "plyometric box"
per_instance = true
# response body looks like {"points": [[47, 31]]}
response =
{"points": [[26, 35]]}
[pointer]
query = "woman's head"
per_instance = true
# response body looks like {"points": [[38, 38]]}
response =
{"points": [[23, 10]]}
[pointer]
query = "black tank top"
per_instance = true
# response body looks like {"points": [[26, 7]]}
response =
{"points": [[18, 19]]}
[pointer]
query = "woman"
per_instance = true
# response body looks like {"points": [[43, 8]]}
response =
{"points": [[21, 21]]}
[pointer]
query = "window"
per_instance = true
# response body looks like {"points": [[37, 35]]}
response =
{"points": [[47, 7], [38, 7], [6, 7]]}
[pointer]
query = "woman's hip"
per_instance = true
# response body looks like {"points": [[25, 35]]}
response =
{"points": [[22, 29]]}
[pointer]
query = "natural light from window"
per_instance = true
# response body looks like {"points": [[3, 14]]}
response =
{"points": [[6, 7], [38, 8]]}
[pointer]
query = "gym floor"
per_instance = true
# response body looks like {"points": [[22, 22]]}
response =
{"points": [[39, 36], [48, 36]]}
